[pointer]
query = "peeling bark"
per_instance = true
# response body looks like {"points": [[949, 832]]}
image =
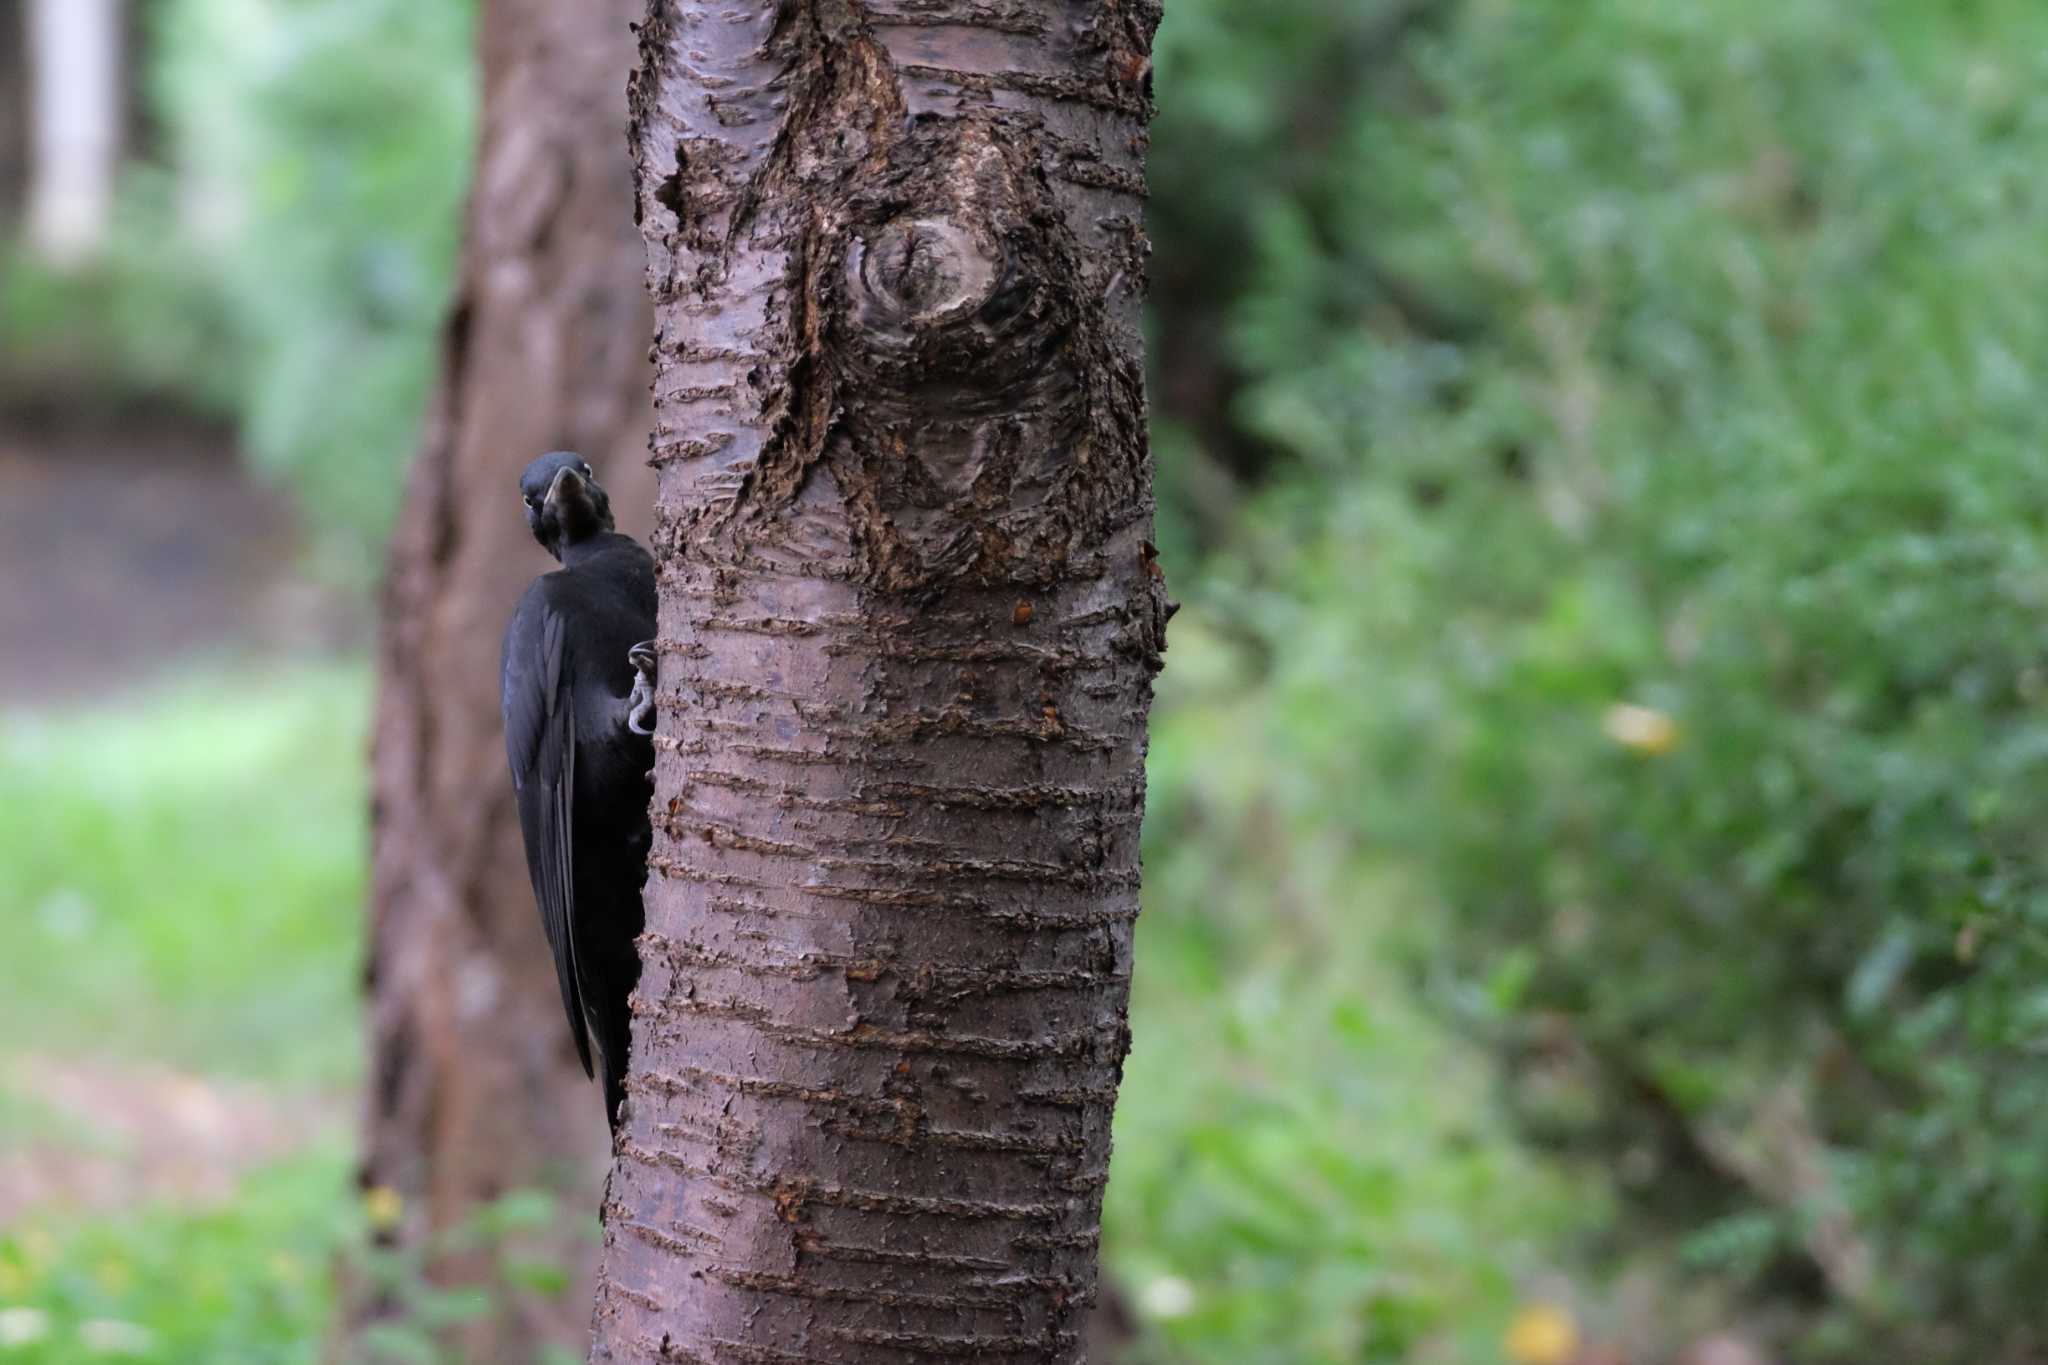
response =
{"points": [[474, 1088], [910, 620]]}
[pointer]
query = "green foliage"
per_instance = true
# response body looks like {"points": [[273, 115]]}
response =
{"points": [[246, 1284], [1682, 359], [186, 887], [252, 1282], [288, 261], [133, 330], [1307, 1169], [504, 1242], [327, 150]]}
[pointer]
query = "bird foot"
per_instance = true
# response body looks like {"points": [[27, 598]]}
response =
{"points": [[640, 705]]}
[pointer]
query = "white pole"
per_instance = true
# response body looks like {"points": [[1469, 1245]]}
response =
{"points": [[75, 72]]}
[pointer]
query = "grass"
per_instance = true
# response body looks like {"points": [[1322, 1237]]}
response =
{"points": [[245, 1283], [183, 898], [1306, 1169], [185, 876]]}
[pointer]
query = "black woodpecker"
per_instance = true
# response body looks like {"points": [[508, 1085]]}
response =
{"points": [[577, 683]]}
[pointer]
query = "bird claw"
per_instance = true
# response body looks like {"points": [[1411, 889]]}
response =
{"points": [[640, 705]]}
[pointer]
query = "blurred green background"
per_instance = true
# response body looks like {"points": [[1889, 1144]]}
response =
{"points": [[1595, 908]]}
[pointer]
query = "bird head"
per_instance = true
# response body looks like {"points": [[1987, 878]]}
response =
{"points": [[564, 504]]}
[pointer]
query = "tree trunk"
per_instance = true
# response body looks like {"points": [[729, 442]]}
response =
{"points": [[474, 1088], [909, 624], [14, 79], [75, 51]]}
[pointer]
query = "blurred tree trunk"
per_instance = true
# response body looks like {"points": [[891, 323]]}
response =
{"points": [[13, 112], [141, 133], [910, 621], [75, 57], [474, 1089]]}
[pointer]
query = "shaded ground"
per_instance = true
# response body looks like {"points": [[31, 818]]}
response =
{"points": [[124, 546], [106, 1135]]}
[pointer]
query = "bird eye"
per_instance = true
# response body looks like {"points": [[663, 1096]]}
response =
{"points": [[586, 471]]}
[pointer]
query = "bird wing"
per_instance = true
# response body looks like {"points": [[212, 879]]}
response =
{"points": [[540, 742]]}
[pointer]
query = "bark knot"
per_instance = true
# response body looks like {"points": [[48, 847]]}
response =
{"points": [[924, 272]]}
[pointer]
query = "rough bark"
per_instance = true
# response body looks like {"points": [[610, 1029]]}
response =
{"points": [[474, 1089], [909, 625]]}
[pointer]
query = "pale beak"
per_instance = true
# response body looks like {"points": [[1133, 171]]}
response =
{"points": [[560, 489]]}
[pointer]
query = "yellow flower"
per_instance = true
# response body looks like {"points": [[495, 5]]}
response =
{"points": [[1640, 728], [1542, 1334], [383, 1206]]}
